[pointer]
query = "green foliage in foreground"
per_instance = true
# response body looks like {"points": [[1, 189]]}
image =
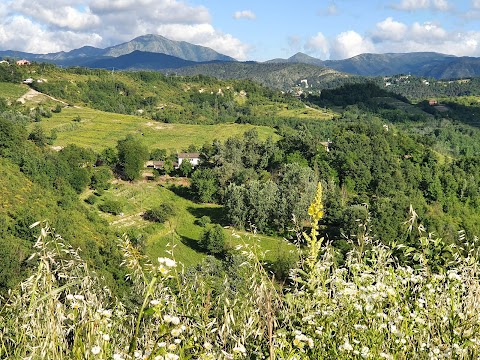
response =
{"points": [[370, 307]]}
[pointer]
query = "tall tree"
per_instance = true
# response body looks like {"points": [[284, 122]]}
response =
{"points": [[132, 155]]}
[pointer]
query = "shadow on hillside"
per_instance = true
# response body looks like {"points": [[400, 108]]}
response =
{"points": [[191, 243], [465, 114], [214, 213], [181, 191]]}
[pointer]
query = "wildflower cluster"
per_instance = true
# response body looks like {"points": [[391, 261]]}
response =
{"points": [[370, 307]]}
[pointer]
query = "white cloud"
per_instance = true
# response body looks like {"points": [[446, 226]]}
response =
{"points": [[244, 14], [332, 9], [441, 5], [166, 11], [205, 35], [349, 43], [57, 15], [318, 46], [424, 37], [412, 5], [476, 4], [390, 35], [42, 26], [35, 39], [390, 29]]}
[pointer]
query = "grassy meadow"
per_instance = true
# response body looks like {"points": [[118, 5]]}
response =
{"points": [[12, 92], [181, 230], [98, 130]]}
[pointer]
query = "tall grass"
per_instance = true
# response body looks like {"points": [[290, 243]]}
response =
{"points": [[371, 307]]}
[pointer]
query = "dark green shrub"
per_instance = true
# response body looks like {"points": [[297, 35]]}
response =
{"points": [[58, 109], [91, 199], [213, 240], [160, 214], [111, 206], [203, 221]]}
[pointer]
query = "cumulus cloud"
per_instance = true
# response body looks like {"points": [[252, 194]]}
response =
{"points": [[42, 26], [389, 29], [349, 43], [390, 35], [476, 4], [318, 46], [244, 14], [166, 11], [412, 5], [35, 39], [60, 14], [425, 36], [205, 35]]}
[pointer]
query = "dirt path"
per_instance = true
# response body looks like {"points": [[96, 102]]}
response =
{"points": [[31, 94], [127, 220]]}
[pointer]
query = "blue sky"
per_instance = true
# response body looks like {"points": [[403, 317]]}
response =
{"points": [[248, 30]]}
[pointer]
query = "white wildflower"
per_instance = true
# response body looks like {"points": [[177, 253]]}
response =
{"points": [[167, 262], [96, 350], [170, 356], [176, 332], [240, 349], [346, 346], [365, 352]]}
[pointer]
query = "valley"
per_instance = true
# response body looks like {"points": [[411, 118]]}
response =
{"points": [[312, 210]]}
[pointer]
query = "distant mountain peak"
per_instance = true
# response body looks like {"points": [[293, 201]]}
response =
{"points": [[301, 56], [160, 44]]}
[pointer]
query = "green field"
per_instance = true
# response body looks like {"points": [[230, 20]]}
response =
{"points": [[180, 231], [308, 113], [98, 130], [12, 92]]}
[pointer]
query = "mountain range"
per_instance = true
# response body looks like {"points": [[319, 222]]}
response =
{"points": [[155, 52], [426, 64], [157, 44]]}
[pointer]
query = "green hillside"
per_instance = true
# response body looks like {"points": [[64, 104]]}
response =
{"points": [[98, 129], [182, 230], [11, 92], [24, 202]]}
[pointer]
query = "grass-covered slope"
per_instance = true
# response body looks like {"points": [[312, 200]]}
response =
{"points": [[96, 129], [182, 231], [24, 202], [167, 98]]}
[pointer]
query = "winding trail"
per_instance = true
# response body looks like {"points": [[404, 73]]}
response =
{"points": [[31, 94]]}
